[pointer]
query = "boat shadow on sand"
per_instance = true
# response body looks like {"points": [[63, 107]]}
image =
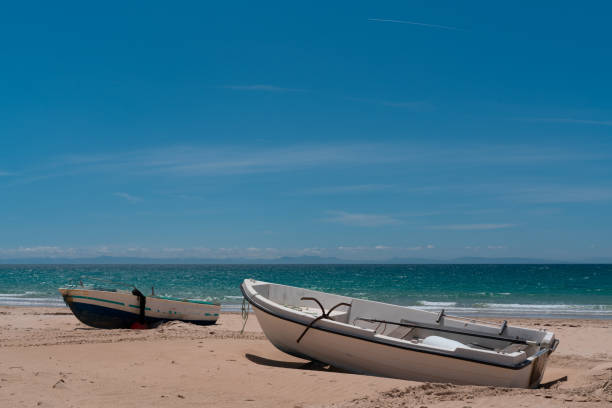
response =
{"points": [[311, 365]]}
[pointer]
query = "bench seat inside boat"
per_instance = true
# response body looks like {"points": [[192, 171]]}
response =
{"points": [[428, 333]]}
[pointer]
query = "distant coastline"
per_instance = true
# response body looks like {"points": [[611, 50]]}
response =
{"points": [[301, 260]]}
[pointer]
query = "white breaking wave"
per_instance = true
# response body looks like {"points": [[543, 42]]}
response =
{"points": [[483, 309], [436, 304], [525, 310], [206, 299], [2, 295], [232, 308], [24, 301], [545, 307]]}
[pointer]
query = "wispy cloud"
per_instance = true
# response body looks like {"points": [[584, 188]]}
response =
{"points": [[410, 105], [190, 161], [384, 20], [385, 248], [37, 250], [263, 88], [359, 188], [469, 227], [561, 194], [361, 220], [228, 160], [128, 197], [570, 120]]}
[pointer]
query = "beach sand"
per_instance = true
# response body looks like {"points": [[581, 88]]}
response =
{"points": [[49, 359]]}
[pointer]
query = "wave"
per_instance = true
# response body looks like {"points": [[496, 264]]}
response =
{"points": [[525, 310], [4, 295], [37, 302], [232, 308], [546, 307], [206, 299], [436, 304], [475, 309]]}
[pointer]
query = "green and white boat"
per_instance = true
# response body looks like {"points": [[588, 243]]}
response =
{"points": [[121, 309]]}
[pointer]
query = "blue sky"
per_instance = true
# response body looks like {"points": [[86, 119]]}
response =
{"points": [[363, 130]]}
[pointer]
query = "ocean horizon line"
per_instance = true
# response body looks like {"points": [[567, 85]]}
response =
{"points": [[300, 260]]}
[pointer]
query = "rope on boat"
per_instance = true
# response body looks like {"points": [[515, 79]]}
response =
{"points": [[324, 315], [245, 313]]}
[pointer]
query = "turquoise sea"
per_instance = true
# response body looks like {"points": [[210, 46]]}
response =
{"points": [[485, 290]]}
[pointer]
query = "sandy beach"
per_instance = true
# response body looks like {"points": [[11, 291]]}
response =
{"points": [[49, 359]]}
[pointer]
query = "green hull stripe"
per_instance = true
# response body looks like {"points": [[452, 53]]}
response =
{"points": [[138, 307], [98, 299]]}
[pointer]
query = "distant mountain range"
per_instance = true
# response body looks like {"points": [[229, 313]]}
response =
{"points": [[286, 260]]}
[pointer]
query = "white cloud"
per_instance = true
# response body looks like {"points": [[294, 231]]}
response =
{"points": [[361, 220], [419, 247], [174, 250], [353, 248], [467, 227], [365, 250], [311, 251], [52, 252], [37, 251], [128, 197], [356, 252]]}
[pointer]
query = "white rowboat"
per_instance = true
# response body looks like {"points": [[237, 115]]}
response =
{"points": [[395, 341]]}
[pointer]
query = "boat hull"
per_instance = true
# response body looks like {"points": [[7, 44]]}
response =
{"points": [[334, 338], [372, 358], [115, 310], [102, 317]]}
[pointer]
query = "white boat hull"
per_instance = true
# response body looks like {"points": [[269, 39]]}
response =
{"points": [[347, 349], [361, 356]]}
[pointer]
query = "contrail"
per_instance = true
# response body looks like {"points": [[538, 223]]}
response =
{"points": [[381, 20]]}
